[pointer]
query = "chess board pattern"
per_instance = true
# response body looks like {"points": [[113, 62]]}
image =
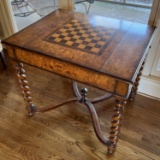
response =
{"points": [[83, 36]]}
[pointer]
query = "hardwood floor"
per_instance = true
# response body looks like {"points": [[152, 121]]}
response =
{"points": [[66, 133]]}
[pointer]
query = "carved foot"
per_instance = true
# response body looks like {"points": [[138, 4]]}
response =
{"points": [[31, 110], [111, 149]]}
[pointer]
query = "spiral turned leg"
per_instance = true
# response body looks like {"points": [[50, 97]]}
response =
{"points": [[136, 84], [116, 125], [25, 88]]}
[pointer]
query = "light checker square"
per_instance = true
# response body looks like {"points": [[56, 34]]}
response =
{"points": [[81, 35]]}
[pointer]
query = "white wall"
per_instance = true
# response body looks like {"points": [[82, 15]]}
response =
{"points": [[149, 84]]}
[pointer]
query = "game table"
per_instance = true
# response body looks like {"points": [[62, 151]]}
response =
{"points": [[102, 52]]}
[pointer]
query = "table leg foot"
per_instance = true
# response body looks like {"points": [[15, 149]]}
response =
{"points": [[31, 110], [116, 125], [111, 149]]}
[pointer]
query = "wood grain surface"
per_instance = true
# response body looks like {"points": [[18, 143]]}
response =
{"points": [[121, 55], [67, 132]]}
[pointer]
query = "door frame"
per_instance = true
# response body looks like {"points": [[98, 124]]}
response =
{"points": [[7, 20]]}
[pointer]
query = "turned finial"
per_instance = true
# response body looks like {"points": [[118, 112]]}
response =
{"points": [[84, 94]]}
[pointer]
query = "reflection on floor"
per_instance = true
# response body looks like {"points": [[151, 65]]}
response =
{"points": [[98, 8]]}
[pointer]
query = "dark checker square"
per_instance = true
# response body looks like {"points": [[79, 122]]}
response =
{"points": [[75, 44], [83, 36], [88, 48]]}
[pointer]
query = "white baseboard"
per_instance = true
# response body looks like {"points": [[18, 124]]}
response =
{"points": [[150, 86]]}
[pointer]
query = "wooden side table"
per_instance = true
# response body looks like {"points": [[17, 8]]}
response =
{"points": [[103, 52]]}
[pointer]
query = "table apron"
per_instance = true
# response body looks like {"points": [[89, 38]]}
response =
{"points": [[99, 80]]}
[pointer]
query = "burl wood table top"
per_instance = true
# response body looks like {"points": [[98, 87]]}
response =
{"points": [[106, 46]]}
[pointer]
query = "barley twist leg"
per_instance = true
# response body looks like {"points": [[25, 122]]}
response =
{"points": [[20, 72], [136, 84], [116, 125]]}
